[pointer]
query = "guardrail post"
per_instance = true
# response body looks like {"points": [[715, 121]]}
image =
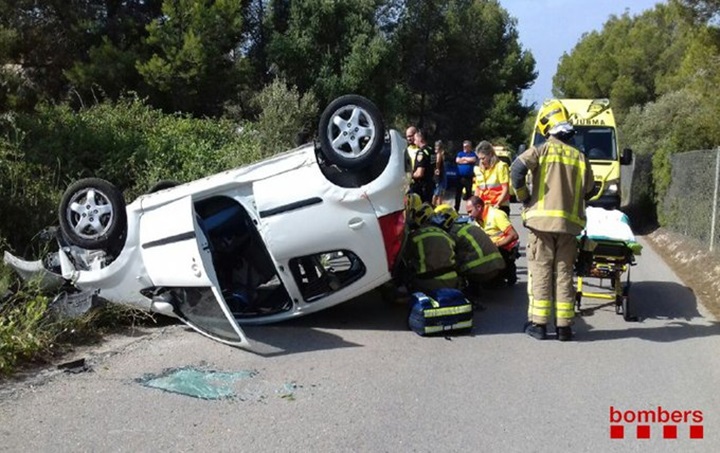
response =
{"points": [[715, 198]]}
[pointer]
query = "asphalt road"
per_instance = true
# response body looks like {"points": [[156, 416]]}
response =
{"points": [[353, 378]]}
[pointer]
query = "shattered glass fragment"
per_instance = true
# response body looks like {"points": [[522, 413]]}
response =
{"points": [[197, 383]]}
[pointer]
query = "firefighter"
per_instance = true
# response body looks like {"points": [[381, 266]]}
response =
{"points": [[554, 214], [496, 224], [478, 259], [429, 256]]}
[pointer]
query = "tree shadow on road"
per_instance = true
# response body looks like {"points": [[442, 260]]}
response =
{"points": [[666, 312]]}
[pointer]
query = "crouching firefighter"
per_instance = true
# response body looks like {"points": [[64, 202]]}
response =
{"points": [[554, 215], [478, 259], [430, 253]]}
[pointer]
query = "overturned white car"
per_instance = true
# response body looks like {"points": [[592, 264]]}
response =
{"points": [[287, 236]]}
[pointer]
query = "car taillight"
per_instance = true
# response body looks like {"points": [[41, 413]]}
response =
{"points": [[393, 231]]}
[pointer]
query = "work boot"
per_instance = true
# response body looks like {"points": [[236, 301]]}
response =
{"points": [[537, 331], [564, 333]]}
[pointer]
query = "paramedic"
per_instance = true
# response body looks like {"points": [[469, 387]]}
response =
{"points": [[429, 256], [423, 169], [465, 160], [498, 227], [554, 214], [492, 178], [478, 259]]}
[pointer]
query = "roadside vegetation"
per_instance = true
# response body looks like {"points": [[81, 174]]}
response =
{"points": [[138, 92]]}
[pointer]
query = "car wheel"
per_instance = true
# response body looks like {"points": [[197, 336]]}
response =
{"points": [[352, 133], [162, 185], [92, 214]]}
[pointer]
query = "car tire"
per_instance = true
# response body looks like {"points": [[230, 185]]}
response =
{"points": [[352, 132], [102, 204], [162, 185]]}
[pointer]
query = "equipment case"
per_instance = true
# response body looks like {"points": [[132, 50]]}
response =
{"points": [[441, 311]]}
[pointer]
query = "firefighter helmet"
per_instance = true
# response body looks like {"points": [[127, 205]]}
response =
{"points": [[422, 215], [553, 119], [446, 215]]}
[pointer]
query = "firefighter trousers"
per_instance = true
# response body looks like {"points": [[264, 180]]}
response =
{"points": [[551, 257]]}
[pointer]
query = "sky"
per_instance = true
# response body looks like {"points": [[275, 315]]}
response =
{"points": [[548, 28]]}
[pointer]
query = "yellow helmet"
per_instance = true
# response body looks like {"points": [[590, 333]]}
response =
{"points": [[412, 202], [446, 215], [422, 215], [553, 118]]}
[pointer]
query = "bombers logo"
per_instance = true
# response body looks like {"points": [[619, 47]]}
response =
{"points": [[669, 420]]}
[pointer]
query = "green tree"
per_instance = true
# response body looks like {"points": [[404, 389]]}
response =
{"points": [[117, 34], [463, 68], [194, 51], [331, 48], [627, 61]]}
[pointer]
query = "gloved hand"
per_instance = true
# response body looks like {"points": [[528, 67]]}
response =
{"points": [[523, 195]]}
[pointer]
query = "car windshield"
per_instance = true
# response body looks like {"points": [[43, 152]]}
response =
{"points": [[597, 143]]}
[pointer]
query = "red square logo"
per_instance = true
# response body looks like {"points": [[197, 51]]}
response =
{"points": [[643, 431], [670, 432], [696, 431], [617, 432]]}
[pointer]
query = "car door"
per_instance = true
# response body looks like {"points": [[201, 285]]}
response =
{"points": [[178, 257], [302, 214]]}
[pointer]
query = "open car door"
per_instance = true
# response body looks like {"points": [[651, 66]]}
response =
{"points": [[178, 258]]}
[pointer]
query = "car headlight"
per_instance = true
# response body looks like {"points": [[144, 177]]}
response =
{"points": [[612, 188]]}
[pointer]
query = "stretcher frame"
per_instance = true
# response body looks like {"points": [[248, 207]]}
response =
{"points": [[609, 259]]}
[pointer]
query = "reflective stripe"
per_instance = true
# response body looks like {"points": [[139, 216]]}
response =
{"points": [[541, 308], [447, 311], [483, 185], [573, 217], [565, 310], [448, 276], [559, 153], [457, 325], [482, 258], [422, 265]]}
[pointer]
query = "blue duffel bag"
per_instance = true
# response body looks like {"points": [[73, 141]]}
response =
{"points": [[441, 311]]}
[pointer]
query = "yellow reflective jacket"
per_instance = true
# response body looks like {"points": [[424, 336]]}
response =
{"points": [[430, 253], [561, 178], [475, 251]]}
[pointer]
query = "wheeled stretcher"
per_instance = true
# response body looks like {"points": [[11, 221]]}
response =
{"points": [[607, 250]]}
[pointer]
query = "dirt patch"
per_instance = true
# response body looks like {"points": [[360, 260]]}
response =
{"points": [[691, 260]]}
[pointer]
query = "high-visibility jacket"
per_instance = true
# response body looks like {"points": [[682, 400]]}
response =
{"points": [[495, 223], [561, 179], [410, 153], [476, 253], [430, 253], [489, 183]]}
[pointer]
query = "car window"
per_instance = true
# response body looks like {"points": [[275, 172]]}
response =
{"points": [[324, 273], [199, 306]]}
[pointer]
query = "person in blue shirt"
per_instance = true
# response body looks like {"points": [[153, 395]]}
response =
{"points": [[466, 160]]}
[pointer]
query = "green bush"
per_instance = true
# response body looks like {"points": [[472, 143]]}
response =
{"points": [[678, 121], [283, 114]]}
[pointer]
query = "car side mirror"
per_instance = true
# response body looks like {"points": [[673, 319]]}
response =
{"points": [[626, 157]]}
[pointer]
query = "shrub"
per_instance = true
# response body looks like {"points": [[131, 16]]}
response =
{"points": [[284, 113]]}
